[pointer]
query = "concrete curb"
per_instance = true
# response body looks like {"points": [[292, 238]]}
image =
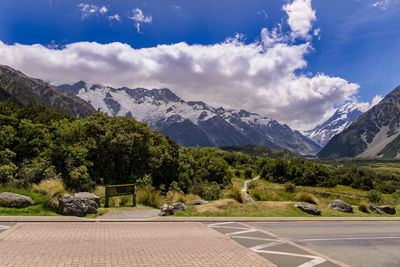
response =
{"points": [[197, 219]]}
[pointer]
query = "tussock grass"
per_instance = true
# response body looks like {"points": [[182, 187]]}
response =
{"points": [[363, 207], [306, 197], [236, 194], [52, 189], [149, 196]]}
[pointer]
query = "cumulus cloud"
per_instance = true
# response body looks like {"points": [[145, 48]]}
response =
{"points": [[300, 18], [88, 10], [261, 77], [140, 18], [365, 106]]}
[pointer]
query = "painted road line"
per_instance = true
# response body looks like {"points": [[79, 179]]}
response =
{"points": [[4, 227], [266, 243], [348, 238]]}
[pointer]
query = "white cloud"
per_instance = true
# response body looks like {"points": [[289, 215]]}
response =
{"points": [[88, 10], [384, 4], [365, 106], [260, 77], [300, 18], [262, 13], [114, 17], [140, 18]]}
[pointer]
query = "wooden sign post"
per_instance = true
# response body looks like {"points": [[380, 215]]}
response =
{"points": [[120, 190]]}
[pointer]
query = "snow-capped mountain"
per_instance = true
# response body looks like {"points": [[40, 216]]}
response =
{"points": [[339, 121], [192, 123]]}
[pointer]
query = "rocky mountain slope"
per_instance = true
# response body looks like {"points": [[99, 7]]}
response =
{"points": [[339, 121], [27, 90], [193, 123], [374, 134]]}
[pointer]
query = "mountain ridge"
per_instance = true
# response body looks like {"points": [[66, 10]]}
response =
{"points": [[193, 123]]}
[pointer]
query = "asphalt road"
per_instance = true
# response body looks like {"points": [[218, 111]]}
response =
{"points": [[354, 243]]}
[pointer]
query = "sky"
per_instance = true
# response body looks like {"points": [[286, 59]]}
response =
{"points": [[292, 60]]}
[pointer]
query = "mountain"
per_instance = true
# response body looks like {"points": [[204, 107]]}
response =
{"points": [[193, 123], [339, 121], [374, 134], [27, 90]]}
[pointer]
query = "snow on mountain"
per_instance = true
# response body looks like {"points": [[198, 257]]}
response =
{"points": [[339, 121], [193, 123]]}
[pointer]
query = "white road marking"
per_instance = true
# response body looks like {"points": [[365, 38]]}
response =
{"points": [[4, 227], [272, 242], [348, 238]]}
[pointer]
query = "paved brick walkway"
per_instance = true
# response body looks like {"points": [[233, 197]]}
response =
{"points": [[121, 244]]}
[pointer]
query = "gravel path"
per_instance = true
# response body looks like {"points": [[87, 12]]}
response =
{"points": [[247, 197]]}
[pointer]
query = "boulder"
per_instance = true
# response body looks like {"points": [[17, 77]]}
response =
{"points": [[248, 199], [167, 210], [75, 206], [88, 196], [12, 200], [375, 209], [340, 206], [388, 209], [307, 208], [198, 202], [179, 206]]}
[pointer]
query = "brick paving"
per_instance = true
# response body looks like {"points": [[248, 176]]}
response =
{"points": [[121, 244]]}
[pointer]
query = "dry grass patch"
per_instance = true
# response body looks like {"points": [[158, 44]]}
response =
{"points": [[52, 189], [306, 197]]}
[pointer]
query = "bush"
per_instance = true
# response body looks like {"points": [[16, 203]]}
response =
{"points": [[52, 189], [306, 197], [206, 190], [236, 194], [100, 191], [238, 173], [124, 200], [363, 207], [248, 173], [374, 196], [149, 196], [290, 187], [396, 197], [175, 187]]}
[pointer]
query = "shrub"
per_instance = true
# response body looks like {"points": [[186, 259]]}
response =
{"points": [[149, 196], [290, 187], [396, 197], [306, 197], [374, 196], [363, 207], [238, 173], [236, 194], [175, 187], [52, 189], [248, 173], [124, 200], [206, 190]]}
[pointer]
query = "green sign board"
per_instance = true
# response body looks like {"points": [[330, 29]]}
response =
{"points": [[120, 190]]}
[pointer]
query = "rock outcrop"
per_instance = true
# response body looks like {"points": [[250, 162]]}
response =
{"points": [[375, 209], [12, 200], [307, 208], [341, 206], [171, 209], [388, 209], [77, 205], [198, 202]]}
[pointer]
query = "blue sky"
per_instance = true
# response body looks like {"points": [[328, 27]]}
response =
{"points": [[356, 41]]}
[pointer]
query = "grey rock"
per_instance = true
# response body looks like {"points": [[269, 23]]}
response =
{"points": [[307, 208], [388, 209], [248, 199], [167, 210], [88, 196], [375, 209], [179, 206], [75, 206], [340, 206], [12, 200], [198, 202]]}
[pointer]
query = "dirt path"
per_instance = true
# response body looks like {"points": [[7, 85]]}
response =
{"points": [[247, 197]]}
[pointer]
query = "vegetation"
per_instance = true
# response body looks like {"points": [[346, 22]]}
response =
{"points": [[306, 197]]}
